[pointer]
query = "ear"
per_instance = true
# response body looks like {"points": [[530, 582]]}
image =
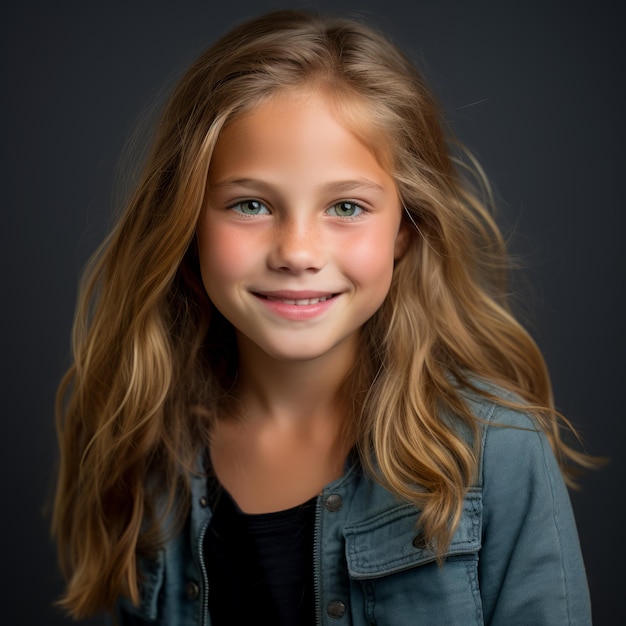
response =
{"points": [[402, 240]]}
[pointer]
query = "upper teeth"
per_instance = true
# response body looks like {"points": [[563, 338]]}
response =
{"points": [[300, 302]]}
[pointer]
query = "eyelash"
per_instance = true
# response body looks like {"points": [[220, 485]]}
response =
{"points": [[361, 209]]}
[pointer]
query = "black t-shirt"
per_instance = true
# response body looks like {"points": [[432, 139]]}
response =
{"points": [[260, 566]]}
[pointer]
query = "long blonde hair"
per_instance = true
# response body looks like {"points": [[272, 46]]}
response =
{"points": [[154, 361]]}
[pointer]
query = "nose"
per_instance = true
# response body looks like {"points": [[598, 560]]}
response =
{"points": [[297, 246]]}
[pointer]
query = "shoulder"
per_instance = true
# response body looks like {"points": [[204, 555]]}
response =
{"points": [[493, 404], [514, 450], [499, 410], [518, 475]]}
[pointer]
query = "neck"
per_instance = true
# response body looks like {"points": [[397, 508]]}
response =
{"points": [[291, 431], [297, 391]]}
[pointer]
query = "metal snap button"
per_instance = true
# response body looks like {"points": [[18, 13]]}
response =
{"points": [[192, 590], [334, 502], [419, 541], [203, 501], [336, 609]]}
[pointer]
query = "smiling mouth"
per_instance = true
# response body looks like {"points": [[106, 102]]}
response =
{"points": [[299, 301]]}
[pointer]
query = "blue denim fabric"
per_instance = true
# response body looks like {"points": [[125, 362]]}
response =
{"points": [[515, 557]]}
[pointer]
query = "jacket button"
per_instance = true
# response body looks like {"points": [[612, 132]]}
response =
{"points": [[334, 502], [419, 541], [336, 609], [192, 590], [203, 501]]}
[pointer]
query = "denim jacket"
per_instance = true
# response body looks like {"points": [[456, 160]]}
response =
{"points": [[515, 557]]}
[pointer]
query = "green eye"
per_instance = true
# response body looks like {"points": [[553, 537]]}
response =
{"points": [[250, 207], [345, 209]]}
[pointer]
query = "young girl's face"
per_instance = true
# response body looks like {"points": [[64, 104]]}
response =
{"points": [[299, 231]]}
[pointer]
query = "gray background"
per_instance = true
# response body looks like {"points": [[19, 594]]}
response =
{"points": [[534, 88]]}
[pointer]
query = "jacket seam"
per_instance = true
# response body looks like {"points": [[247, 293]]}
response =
{"points": [[557, 527]]}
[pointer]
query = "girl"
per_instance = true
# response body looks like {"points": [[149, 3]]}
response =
{"points": [[298, 394]]}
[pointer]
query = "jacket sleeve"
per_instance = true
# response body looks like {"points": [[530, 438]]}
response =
{"points": [[531, 568]]}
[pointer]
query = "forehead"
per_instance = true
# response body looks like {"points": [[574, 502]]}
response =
{"points": [[350, 110], [296, 145]]}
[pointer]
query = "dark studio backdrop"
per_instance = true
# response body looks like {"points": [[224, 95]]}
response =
{"points": [[533, 88]]}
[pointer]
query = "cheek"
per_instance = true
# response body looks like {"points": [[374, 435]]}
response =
{"points": [[371, 261], [223, 254]]}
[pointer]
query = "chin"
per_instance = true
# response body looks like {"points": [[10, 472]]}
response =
{"points": [[295, 355]]}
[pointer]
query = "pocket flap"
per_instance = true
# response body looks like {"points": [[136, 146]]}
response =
{"points": [[390, 542]]}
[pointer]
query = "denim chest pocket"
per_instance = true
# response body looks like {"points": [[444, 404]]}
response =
{"points": [[391, 541]]}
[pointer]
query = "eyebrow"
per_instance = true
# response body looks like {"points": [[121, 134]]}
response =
{"points": [[340, 186]]}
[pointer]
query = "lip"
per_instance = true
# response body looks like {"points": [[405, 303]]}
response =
{"points": [[298, 297], [296, 305]]}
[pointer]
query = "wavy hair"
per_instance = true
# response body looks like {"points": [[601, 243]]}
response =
{"points": [[154, 362]]}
